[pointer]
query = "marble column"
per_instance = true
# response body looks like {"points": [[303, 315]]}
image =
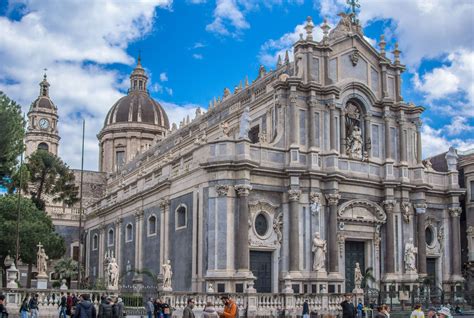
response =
{"points": [[164, 206], [293, 120], [403, 142], [311, 125], [421, 227], [368, 140], [342, 133], [101, 250], [294, 255], [138, 244], [419, 155], [456, 240], [388, 145], [389, 258], [242, 234], [118, 241], [333, 133], [333, 199]]}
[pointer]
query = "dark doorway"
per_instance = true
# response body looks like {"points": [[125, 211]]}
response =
{"points": [[431, 271], [355, 253], [261, 267]]}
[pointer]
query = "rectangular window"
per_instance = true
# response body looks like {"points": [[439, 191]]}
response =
{"points": [[254, 133], [119, 159], [375, 141], [181, 217], [75, 253], [303, 127]]}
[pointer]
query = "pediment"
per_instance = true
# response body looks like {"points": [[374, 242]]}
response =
{"points": [[361, 210]]}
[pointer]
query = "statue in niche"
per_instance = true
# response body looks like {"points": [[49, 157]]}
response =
{"points": [[245, 124], [409, 257], [319, 249], [354, 139], [299, 66], [354, 145], [357, 276]]}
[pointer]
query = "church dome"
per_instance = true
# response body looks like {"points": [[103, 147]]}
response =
{"points": [[137, 106], [43, 100]]}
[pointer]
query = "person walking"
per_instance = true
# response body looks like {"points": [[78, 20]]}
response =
{"points": [[305, 309], [188, 311], [68, 304], [33, 304], [417, 312], [209, 311], [230, 308], [348, 309], [105, 309], [3, 309], [165, 309], [84, 308], [157, 308], [444, 312], [62, 306], [24, 308], [117, 308], [149, 307]]}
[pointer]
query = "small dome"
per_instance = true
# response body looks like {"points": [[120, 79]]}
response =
{"points": [[137, 106], [43, 102]]}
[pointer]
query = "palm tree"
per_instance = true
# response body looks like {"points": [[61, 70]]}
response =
{"points": [[67, 268], [367, 277]]}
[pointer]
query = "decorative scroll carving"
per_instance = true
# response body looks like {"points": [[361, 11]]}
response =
{"points": [[243, 189], [341, 240], [222, 189], [315, 199], [273, 237], [294, 195], [355, 55], [455, 212], [278, 226], [389, 205], [361, 210], [333, 198], [164, 203]]}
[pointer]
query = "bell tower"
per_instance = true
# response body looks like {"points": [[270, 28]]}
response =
{"points": [[42, 130]]}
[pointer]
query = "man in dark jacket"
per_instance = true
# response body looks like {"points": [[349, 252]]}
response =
{"points": [[63, 306], [34, 310], [105, 309], [84, 308], [348, 309], [3, 309], [188, 311]]}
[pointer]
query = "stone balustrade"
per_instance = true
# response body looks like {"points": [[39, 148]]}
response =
{"points": [[252, 304]]}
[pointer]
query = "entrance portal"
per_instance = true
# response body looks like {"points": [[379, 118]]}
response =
{"points": [[355, 253], [261, 267], [431, 271]]}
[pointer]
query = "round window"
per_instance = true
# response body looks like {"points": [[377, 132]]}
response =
{"points": [[429, 235], [261, 224]]}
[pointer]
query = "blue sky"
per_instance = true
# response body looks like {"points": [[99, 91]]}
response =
{"points": [[193, 49]]}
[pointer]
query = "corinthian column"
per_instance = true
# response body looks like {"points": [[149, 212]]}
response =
{"points": [[242, 233], [456, 240], [333, 199], [294, 255], [138, 243], [101, 250], [390, 256], [332, 123], [421, 227], [164, 206], [118, 241], [418, 143]]}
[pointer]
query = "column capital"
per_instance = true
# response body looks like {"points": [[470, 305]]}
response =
{"points": [[139, 213], [332, 105], [455, 212], [333, 198], [243, 189], [294, 194], [389, 205], [118, 221], [222, 189], [164, 202], [420, 208], [315, 197], [313, 102], [102, 228]]}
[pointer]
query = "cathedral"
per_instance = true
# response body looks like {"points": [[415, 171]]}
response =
{"points": [[285, 184]]}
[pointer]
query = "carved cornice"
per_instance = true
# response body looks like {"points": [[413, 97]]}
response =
{"points": [[389, 205], [222, 189], [243, 189], [333, 198], [455, 212], [294, 194]]}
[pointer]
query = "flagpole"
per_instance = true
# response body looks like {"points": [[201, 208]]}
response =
{"points": [[79, 267]]}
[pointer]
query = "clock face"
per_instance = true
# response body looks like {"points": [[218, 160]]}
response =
{"points": [[43, 123]]}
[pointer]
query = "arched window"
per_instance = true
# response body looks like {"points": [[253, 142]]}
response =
{"points": [[355, 130], [95, 242], [110, 237], [129, 233], [43, 146], [152, 225], [181, 217]]}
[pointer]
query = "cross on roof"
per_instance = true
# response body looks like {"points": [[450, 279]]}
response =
{"points": [[354, 4]]}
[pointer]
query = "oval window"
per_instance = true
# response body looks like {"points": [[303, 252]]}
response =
{"points": [[429, 235], [261, 224]]}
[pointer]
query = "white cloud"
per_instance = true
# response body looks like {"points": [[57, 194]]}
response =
{"points": [[163, 77], [459, 125], [226, 14], [197, 56], [434, 142], [176, 113], [271, 49], [198, 45], [76, 44]]}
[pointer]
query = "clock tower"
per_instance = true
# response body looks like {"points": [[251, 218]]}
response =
{"points": [[42, 130]]}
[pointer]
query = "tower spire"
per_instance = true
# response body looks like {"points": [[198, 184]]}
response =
{"points": [[44, 85], [138, 78]]}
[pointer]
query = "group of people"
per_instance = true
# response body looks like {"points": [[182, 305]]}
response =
{"points": [[443, 312], [160, 309]]}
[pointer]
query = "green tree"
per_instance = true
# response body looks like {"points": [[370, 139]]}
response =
{"points": [[12, 133], [35, 226], [67, 268], [49, 175], [367, 277]]}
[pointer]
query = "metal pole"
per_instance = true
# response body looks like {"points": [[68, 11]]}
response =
{"points": [[18, 212], [79, 275]]}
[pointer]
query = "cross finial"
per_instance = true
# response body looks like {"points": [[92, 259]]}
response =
{"points": [[354, 5], [45, 70], [139, 59]]}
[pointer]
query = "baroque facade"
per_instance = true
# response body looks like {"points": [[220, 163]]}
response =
{"points": [[320, 153]]}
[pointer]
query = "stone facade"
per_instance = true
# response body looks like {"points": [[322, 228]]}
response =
{"points": [[332, 148]]}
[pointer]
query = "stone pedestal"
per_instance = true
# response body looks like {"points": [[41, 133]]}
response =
{"points": [[63, 285], [42, 282], [12, 276]]}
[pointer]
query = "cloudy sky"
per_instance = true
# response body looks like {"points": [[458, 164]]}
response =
{"points": [[192, 49]]}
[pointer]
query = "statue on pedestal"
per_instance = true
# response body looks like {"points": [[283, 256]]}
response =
{"points": [[409, 257], [319, 249], [354, 145], [41, 261], [452, 159], [167, 273], [245, 124], [357, 276], [111, 271]]}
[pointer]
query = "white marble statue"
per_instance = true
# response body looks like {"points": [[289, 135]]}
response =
{"points": [[452, 159], [41, 261], [410, 256], [319, 249], [354, 146], [357, 276], [112, 272], [167, 273], [245, 124]]}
